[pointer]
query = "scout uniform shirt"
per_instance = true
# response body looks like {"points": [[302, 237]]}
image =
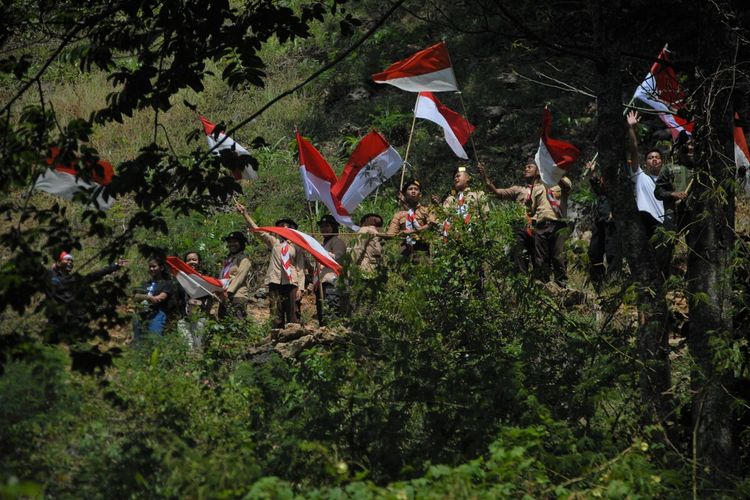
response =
{"points": [[413, 219], [465, 203], [538, 206], [514, 193], [236, 269], [287, 263], [367, 249], [335, 246]]}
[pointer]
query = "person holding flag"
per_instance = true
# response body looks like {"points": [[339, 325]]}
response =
{"points": [[235, 270], [411, 223], [463, 203], [285, 275]]}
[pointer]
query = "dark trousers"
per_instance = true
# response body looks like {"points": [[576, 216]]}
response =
{"points": [[329, 310], [282, 300], [603, 245], [544, 245], [235, 308], [661, 246]]}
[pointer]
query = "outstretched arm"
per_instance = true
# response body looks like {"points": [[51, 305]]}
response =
{"points": [[633, 118], [487, 182]]}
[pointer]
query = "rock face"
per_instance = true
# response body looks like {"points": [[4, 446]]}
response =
{"points": [[288, 342]]}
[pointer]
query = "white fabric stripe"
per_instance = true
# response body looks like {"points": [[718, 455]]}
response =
{"points": [[548, 170], [438, 81], [319, 189], [740, 159], [372, 175], [195, 286], [427, 109], [229, 143], [66, 185]]}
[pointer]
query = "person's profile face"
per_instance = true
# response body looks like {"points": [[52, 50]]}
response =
{"points": [[460, 180], [530, 171]]}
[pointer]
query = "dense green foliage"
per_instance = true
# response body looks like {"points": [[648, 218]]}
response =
{"points": [[457, 379]]}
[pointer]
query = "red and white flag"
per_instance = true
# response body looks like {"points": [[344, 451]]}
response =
{"points": [[554, 156], [230, 154], [427, 70], [456, 128], [319, 179], [63, 180], [305, 241], [741, 153], [196, 285], [662, 91], [372, 163]]}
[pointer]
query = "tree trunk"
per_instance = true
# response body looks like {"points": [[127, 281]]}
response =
{"points": [[653, 345], [711, 241]]}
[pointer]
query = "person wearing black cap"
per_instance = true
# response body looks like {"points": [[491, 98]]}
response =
{"points": [[366, 251], [236, 269], [285, 276], [325, 277], [463, 202], [411, 222]]}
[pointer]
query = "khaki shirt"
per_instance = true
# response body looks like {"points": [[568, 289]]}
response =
{"points": [[275, 273], [472, 199], [337, 247], [514, 193], [538, 206], [238, 272], [561, 191], [423, 218], [367, 251]]}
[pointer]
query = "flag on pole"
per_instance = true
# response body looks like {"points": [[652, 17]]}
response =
{"points": [[230, 154], [65, 180], [662, 91], [319, 179], [195, 284], [372, 163], [427, 70], [305, 241], [554, 156], [741, 153], [456, 128]]}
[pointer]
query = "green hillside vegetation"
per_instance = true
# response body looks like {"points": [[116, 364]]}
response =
{"points": [[458, 379]]}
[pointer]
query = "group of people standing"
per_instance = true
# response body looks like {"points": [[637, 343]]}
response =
{"points": [[538, 243]]}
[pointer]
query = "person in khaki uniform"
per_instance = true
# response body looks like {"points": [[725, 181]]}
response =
{"points": [[411, 223], [463, 203], [366, 250], [540, 236], [236, 269], [285, 276], [326, 277]]}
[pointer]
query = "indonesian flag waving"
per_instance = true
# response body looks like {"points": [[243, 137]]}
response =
{"points": [[310, 244], [372, 163], [318, 179], [662, 91], [196, 285], [455, 127], [427, 70], [64, 180], [230, 154], [741, 153], [554, 156]]}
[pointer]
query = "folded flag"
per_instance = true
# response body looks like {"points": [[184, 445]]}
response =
{"points": [[305, 241], [662, 91], [230, 154], [195, 284], [372, 163], [456, 128], [67, 179], [319, 179], [427, 70], [554, 156]]}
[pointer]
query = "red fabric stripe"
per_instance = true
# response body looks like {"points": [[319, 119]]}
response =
{"points": [[208, 127], [564, 153], [313, 161], [301, 239], [370, 146], [176, 265], [102, 166], [425, 61], [460, 126]]}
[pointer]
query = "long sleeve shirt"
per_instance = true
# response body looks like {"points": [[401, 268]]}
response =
{"points": [[275, 272]]}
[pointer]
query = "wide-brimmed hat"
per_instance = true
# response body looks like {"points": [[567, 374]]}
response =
{"points": [[287, 221], [236, 235], [328, 219]]}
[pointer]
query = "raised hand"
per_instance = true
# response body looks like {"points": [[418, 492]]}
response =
{"points": [[633, 118]]}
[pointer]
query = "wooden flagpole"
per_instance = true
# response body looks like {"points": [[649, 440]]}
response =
{"points": [[408, 146]]}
